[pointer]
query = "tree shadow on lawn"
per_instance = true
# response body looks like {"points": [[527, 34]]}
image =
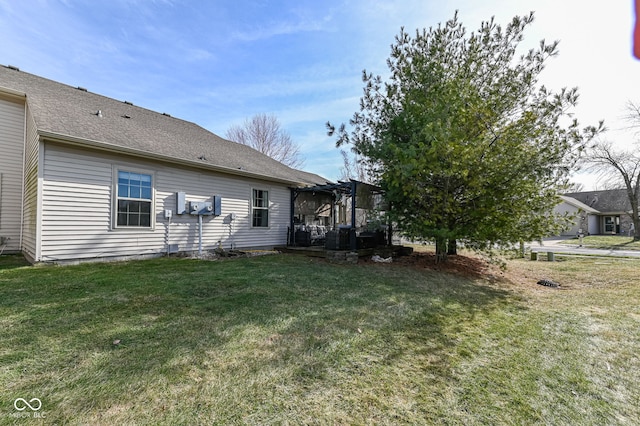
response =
{"points": [[167, 331], [631, 244], [11, 261], [612, 242]]}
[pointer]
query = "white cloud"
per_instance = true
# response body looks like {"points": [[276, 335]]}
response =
{"points": [[278, 28]]}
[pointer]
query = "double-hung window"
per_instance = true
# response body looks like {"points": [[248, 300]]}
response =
{"points": [[260, 208], [134, 201]]}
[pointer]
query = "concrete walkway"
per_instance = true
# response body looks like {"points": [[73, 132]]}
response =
{"points": [[555, 245]]}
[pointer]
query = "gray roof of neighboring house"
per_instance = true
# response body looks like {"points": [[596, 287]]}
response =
{"points": [[606, 201], [69, 114]]}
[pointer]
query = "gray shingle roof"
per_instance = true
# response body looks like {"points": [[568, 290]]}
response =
{"points": [[606, 201], [70, 113]]}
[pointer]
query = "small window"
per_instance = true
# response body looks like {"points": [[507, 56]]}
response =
{"points": [[134, 200], [260, 204]]}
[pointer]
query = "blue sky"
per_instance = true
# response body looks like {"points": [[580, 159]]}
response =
{"points": [[219, 62]]}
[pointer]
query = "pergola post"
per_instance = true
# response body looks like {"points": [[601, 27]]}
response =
{"points": [[294, 194], [352, 232]]}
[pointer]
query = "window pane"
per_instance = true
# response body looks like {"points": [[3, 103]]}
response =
{"points": [[260, 204], [260, 198], [134, 179], [260, 218], [131, 188], [134, 213], [145, 220], [134, 185], [134, 219], [146, 193]]}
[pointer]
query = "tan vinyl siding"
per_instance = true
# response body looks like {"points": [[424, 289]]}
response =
{"points": [[236, 198], [77, 203], [11, 149], [30, 214]]}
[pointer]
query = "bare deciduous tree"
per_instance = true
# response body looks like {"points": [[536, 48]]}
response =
{"points": [[575, 187], [353, 168], [263, 133], [621, 167]]}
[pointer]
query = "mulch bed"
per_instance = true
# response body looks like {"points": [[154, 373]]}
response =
{"points": [[462, 265]]}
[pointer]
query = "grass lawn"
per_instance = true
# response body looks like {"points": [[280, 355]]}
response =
{"points": [[608, 242], [288, 339]]}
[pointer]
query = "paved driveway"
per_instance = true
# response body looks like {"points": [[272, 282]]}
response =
{"points": [[554, 245]]}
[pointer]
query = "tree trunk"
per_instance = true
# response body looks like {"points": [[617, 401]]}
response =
{"points": [[441, 250], [452, 247], [632, 193]]}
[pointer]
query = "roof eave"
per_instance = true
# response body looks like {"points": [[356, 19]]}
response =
{"points": [[105, 146], [578, 204]]}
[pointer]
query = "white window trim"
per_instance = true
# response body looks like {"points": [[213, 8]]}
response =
{"points": [[114, 201], [268, 208]]}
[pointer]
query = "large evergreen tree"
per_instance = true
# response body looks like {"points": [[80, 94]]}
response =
{"points": [[464, 141]]}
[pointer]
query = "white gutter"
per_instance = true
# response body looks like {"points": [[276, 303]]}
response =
{"points": [[13, 93]]}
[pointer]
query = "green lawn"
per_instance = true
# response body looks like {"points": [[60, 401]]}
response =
{"points": [[288, 339], [608, 242]]}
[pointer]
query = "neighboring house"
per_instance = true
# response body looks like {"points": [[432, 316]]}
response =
{"points": [[598, 212], [86, 177]]}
